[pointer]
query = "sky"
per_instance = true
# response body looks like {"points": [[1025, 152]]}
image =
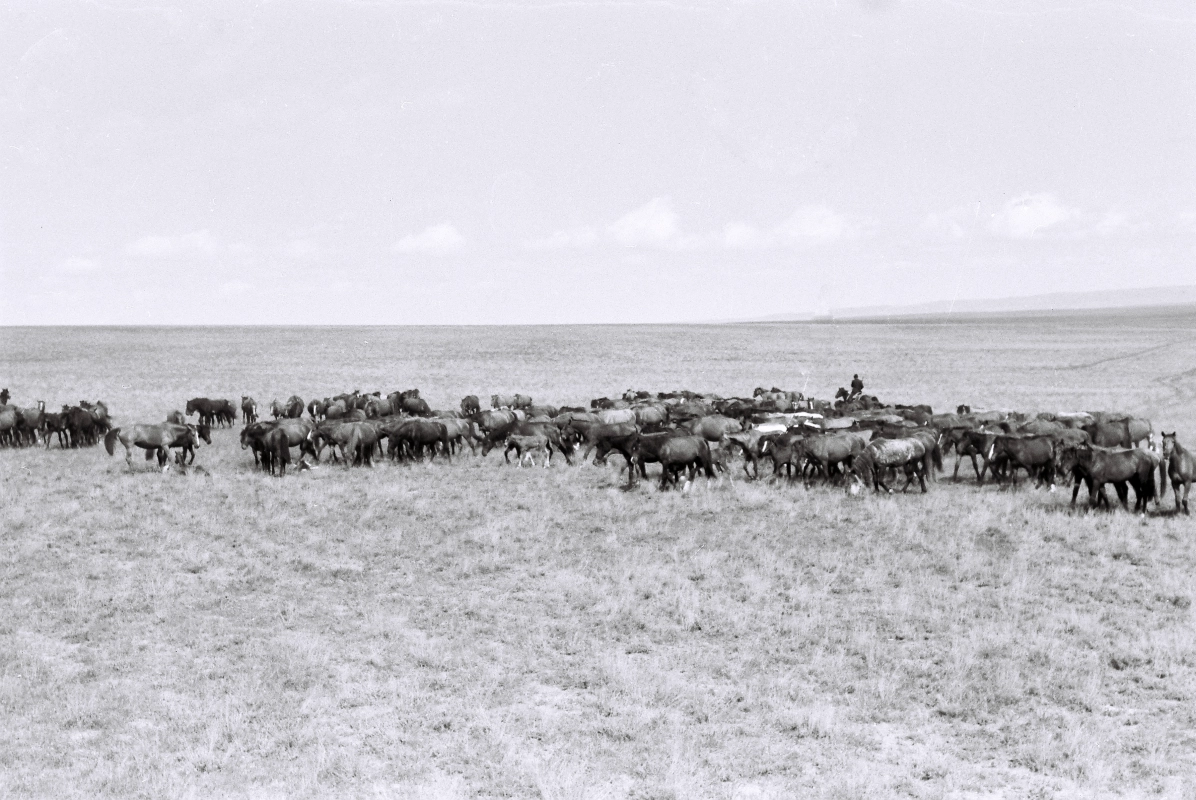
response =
{"points": [[585, 162]]}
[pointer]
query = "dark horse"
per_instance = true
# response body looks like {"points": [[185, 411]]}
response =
{"points": [[1181, 470], [1097, 466], [157, 439]]}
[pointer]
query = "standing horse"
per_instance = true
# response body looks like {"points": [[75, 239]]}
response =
{"points": [[248, 409], [878, 457], [1097, 466], [1181, 470], [157, 439]]}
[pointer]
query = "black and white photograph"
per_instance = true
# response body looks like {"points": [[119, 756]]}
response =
{"points": [[597, 399]]}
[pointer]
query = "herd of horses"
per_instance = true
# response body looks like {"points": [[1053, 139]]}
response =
{"points": [[853, 441]]}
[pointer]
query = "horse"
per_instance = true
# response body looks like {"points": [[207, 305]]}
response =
{"points": [[1120, 431], [824, 452], [176, 418], [297, 432], [203, 406], [276, 450], [679, 453], [871, 464], [1181, 470], [527, 446], [248, 409], [1097, 466], [158, 439], [1033, 452]]}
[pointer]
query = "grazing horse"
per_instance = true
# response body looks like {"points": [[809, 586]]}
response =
{"points": [[157, 439], [1180, 465]]}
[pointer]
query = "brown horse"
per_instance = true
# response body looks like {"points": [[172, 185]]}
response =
{"points": [[1181, 470], [1097, 466], [157, 439]]}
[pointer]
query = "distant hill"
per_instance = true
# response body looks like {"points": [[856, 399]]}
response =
{"points": [[1038, 303]]}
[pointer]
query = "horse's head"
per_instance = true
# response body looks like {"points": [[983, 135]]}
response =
{"points": [[190, 407], [205, 432], [1168, 444]]}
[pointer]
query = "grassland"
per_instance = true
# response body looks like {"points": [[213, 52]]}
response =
{"points": [[476, 630]]}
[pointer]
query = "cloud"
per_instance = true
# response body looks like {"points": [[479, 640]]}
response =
{"points": [[189, 244], [812, 225], [79, 266], [438, 240], [653, 224], [565, 239], [1030, 215], [808, 226]]}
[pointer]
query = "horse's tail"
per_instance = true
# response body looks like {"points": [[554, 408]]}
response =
{"points": [[110, 441], [937, 454]]}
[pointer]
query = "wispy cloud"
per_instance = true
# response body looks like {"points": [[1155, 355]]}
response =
{"points": [[813, 225], [188, 244], [565, 239], [653, 224], [1031, 215], [807, 226], [438, 240]]}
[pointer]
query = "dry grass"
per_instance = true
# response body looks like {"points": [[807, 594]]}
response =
{"points": [[476, 630]]}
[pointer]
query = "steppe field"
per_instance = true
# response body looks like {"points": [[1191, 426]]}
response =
{"points": [[478, 630]]}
